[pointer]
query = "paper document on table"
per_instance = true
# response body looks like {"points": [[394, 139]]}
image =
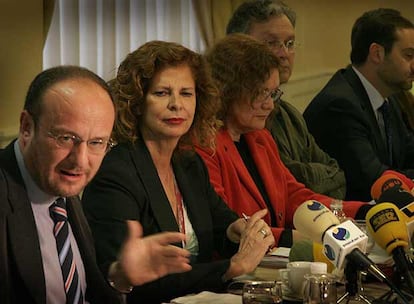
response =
{"points": [[207, 297], [277, 258], [280, 251]]}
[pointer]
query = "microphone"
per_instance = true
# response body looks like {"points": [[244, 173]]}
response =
{"points": [[312, 219], [343, 242], [384, 222], [386, 182], [405, 202], [316, 221], [307, 250]]}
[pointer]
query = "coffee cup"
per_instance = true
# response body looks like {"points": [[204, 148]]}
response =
{"points": [[294, 276]]}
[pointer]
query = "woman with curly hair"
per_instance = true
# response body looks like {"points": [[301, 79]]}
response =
{"points": [[245, 168], [166, 100]]}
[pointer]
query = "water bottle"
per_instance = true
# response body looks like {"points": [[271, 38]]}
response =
{"points": [[337, 209]]}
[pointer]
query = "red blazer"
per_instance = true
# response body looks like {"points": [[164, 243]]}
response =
{"points": [[232, 181]]}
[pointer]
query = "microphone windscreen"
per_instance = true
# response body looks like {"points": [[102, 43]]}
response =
{"points": [[319, 256], [397, 196], [312, 219], [307, 250], [405, 179], [385, 182], [301, 251], [386, 225]]}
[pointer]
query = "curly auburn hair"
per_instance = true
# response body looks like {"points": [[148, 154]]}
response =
{"points": [[240, 65], [133, 80]]}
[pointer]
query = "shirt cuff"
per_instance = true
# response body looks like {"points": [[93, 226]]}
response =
{"points": [[286, 238]]}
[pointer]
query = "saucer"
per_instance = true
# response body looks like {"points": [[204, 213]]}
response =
{"points": [[290, 296]]}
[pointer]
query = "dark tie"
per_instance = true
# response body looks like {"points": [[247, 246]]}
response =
{"points": [[61, 231], [385, 109]]}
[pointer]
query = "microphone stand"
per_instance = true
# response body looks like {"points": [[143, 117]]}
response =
{"points": [[404, 268], [352, 285], [362, 262]]}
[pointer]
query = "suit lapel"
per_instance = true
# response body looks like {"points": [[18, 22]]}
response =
{"points": [[397, 144], [79, 226], [23, 235], [22, 230], [261, 158], [81, 233], [366, 107], [96, 290], [196, 209], [152, 184], [260, 155], [242, 171]]}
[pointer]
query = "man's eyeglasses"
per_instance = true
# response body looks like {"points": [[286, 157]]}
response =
{"points": [[276, 45], [95, 146], [275, 95]]}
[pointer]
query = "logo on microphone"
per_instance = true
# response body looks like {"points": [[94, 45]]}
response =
{"points": [[329, 252], [383, 217], [315, 206], [391, 183], [341, 234], [408, 210]]}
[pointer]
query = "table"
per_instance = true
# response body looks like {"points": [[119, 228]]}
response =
{"points": [[371, 290]]}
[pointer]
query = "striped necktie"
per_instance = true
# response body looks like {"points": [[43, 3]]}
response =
{"points": [[386, 115], [61, 231]]}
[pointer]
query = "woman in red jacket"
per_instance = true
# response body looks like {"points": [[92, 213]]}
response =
{"points": [[245, 167]]}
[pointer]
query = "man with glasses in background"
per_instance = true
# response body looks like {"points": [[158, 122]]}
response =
{"points": [[273, 22], [46, 247]]}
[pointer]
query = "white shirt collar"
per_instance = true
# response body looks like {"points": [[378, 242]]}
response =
{"points": [[374, 96]]}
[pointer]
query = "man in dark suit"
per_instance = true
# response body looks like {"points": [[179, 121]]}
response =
{"points": [[354, 118], [65, 130]]}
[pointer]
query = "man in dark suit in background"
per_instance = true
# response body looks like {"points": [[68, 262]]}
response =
{"points": [[354, 118], [273, 22], [65, 130]]}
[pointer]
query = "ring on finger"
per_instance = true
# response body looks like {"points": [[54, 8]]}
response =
{"points": [[264, 232]]}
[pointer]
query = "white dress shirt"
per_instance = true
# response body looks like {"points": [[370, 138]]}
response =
{"points": [[40, 202], [376, 100]]}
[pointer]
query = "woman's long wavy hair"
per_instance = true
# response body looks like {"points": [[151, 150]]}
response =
{"points": [[133, 80], [240, 66]]}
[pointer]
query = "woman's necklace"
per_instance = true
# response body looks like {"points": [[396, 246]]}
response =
{"points": [[179, 208]]}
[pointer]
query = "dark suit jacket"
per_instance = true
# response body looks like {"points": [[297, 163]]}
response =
{"points": [[21, 268], [127, 186], [344, 124]]}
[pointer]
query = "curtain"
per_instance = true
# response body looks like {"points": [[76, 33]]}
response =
{"points": [[48, 6], [212, 18], [98, 34]]}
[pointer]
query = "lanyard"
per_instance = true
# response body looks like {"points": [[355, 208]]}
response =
{"points": [[180, 209]]}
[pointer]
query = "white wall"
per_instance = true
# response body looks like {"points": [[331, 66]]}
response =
{"points": [[324, 30]]}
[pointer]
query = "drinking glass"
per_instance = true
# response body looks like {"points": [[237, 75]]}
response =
{"points": [[320, 289], [262, 292], [363, 226]]}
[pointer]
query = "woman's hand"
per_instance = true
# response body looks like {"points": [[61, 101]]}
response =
{"points": [[255, 240], [235, 230]]}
